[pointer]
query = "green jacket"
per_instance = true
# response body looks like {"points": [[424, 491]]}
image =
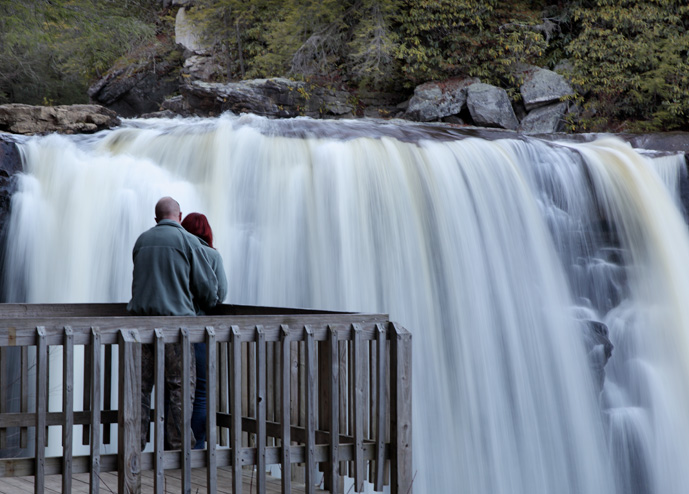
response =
{"points": [[171, 273], [218, 268]]}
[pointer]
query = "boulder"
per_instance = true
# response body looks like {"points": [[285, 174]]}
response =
{"points": [[65, 119], [543, 87], [268, 97], [544, 120], [202, 68], [188, 34], [436, 100], [490, 106], [10, 165], [140, 87]]}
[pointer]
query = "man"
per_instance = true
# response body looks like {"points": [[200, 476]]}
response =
{"points": [[171, 274]]}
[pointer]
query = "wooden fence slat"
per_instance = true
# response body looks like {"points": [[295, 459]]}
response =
{"points": [[261, 408], [381, 409], [224, 398], [186, 410], [334, 359], [67, 408], [129, 417], [4, 392], [310, 411], [400, 397], [343, 398], [358, 411], [159, 404], [211, 408], [236, 405], [93, 432], [286, 377], [24, 432], [41, 407]]}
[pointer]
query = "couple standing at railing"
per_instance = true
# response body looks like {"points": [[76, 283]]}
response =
{"points": [[177, 272]]}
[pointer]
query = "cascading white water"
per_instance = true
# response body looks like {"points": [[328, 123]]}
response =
{"points": [[490, 253]]}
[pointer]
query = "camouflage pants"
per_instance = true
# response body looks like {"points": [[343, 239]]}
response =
{"points": [[173, 393]]}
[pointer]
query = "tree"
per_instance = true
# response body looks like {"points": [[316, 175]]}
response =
{"points": [[50, 50], [630, 57]]}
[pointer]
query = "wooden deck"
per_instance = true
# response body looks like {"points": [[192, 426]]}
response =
{"points": [[173, 483], [322, 395]]}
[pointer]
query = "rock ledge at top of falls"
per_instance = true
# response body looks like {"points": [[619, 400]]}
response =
{"points": [[64, 119], [277, 97]]}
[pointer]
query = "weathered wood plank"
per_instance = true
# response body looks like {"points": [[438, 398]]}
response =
{"points": [[23, 431], [236, 406], [68, 408], [41, 406], [358, 411], [334, 358], [261, 409], [20, 332], [159, 404], [311, 411], [94, 406], [212, 408], [224, 397], [401, 427], [129, 424], [186, 410], [285, 411], [381, 409]]}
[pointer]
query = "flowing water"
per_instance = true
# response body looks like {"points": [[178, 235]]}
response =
{"points": [[499, 256]]}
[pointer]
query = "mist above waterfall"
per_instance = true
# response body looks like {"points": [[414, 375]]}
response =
{"points": [[496, 255]]}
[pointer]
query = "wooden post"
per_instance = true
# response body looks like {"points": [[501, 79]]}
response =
{"points": [[67, 408], [94, 405], [358, 411], [381, 408], [285, 419], [159, 404], [261, 409], [236, 406], [41, 408], [334, 469], [401, 411], [129, 416], [310, 411], [186, 410], [212, 409]]}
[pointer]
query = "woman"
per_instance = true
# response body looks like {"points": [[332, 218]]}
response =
{"points": [[197, 224]]}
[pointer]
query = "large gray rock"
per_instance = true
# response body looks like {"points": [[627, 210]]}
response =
{"points": [[544, 120], [188, 34], [543, 87], [268, 97], [436, 100], [490, 106], [65, 119], [138, 88]]}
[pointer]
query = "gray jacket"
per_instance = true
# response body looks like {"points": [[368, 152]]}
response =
{"points": [[218, 268], [172, 273]]}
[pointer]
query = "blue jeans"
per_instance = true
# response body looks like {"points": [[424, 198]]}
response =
{"points": [[198, 417]]}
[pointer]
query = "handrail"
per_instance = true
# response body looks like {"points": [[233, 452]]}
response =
{"points": [[335, 387]]}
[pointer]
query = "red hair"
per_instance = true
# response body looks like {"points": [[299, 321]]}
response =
{"points": [[197, 224]]}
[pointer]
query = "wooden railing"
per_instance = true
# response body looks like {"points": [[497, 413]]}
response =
{"points": [[333, 387]]}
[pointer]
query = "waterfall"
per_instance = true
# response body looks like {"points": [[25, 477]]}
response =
{"points": [[496, 255]]}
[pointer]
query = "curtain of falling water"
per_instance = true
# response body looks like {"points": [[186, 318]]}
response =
{"points": [[489, 252]]}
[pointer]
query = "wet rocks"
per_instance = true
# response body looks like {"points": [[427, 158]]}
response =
{"points": [[65, 119]]}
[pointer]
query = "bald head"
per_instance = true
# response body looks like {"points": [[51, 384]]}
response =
{"points": [[168, 209]]}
